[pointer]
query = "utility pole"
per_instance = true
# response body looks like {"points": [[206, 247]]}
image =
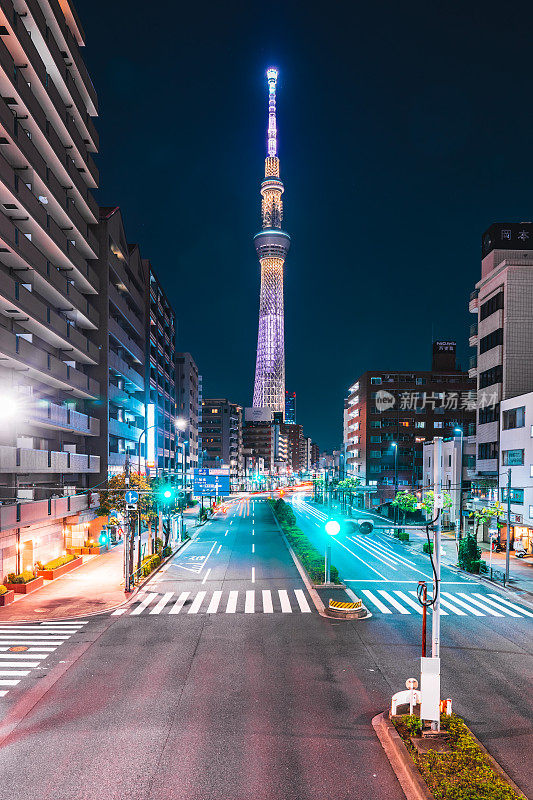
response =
{"points": [[128, 558], [508, 536], [435, 619]]}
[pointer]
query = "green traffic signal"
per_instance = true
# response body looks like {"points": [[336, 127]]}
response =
{"points": [[167, 493]]}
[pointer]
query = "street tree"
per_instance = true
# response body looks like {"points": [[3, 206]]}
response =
{"points": [[114, 496]]}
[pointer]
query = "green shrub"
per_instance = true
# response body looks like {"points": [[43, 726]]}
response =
{"points": [[428, 547], [167, 551], [403, 536], [465, 773], [469, 554], [90, 543], [24, 577], [149, 563], [56, 562], [3, 589], [158, 544], [312, 560]]}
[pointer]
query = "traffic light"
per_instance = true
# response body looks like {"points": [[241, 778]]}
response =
{"points": [[103, 539], [167, 494]]}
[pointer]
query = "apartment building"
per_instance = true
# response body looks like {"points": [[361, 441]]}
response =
{"points": [[290, 407], [49, 317], [121, 339], [502, 334], [259, 438], [458, 468], [516, 457], [296, 452], [222, 436], [392, 413], [163, 453], [187, 405]]}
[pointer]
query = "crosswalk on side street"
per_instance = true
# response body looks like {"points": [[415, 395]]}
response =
{"points": [[459, 603], [248, 601]]}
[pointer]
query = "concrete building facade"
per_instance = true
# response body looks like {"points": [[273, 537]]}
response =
{"points": [[502, 334], [222, 437], [187, 405], [48, 283]]}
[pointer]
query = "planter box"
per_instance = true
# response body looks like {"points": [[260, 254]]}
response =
{"points": [[25, 588], [92, 551], [7, 598], [51, 574]]}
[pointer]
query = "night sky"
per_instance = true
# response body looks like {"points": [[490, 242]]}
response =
{"points": [[404, 131]]}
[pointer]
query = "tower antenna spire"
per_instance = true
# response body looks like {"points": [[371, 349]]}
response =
{"points": [[272, 77]]}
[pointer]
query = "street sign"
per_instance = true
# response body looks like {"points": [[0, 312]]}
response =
{"points": [[131, 506], [132, 497], [211, 482], [113, 512], [438, 501]]}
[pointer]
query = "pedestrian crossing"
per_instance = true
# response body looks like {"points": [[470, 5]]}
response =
{"points": [[25, 647], [461, 604], [249, 601]]}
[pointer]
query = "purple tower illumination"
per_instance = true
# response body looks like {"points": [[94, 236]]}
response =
{"points": [[272, 245]]}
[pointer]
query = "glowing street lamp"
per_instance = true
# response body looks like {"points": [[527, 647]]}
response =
{"points": [[459, 527]]}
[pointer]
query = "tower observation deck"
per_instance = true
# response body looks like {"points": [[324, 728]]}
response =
{"points": [[272, 245]]}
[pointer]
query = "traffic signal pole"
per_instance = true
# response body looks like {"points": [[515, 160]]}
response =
{"points": [[435, 618]]}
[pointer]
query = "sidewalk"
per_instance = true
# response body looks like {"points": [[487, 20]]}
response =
{"points": [[96, 586]]}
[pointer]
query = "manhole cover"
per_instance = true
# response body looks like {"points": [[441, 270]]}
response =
{"points": [[18, 649]]}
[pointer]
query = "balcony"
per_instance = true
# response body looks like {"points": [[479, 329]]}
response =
{"points": [[121, 397], [24, 514], [125, 340], [130, 314], [20, 354], [24, 460], [473, 335], [124, 430], [122, 368], [473, 304], [472, 366], [56, 417]]}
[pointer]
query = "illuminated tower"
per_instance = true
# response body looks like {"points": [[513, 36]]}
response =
{"points": [[272, 245]]}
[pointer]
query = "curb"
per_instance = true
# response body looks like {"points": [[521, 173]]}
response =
{"points": [[403, 766], [317, 600]]}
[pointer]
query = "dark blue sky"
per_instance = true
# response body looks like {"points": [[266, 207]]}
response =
{"points": [[404, 131]]}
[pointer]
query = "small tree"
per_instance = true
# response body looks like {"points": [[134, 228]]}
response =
{"points": [[114, 496], [428, 502], [405, 502], [469, 554]]}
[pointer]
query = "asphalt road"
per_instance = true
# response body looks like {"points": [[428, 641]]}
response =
{"points": [[219, 682], [486, 636]]}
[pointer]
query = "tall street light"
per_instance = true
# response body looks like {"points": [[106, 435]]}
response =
{"points": [[460, 430], [332, 528], [181, 425]]}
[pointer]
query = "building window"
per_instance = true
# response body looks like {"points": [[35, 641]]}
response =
{"points": [[489, 414], [375, 454], [449, 460], [487, 450], [375, 439], [491, 306], [420, 424], [512, 458], [375, 381], [490, 376], [376, 423], [530, 512], [438, 424], [420, 381], [517, 496], [491, 340], [514, 418]]}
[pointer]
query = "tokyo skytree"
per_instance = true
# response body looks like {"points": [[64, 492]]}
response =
{"points": [[272, 245]]}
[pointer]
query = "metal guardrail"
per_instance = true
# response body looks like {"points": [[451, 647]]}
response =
{"points": [[496, 575]]}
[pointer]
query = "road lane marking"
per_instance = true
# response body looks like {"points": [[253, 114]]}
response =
{"points": [[157, 609], [443, 613], [22, 656], [253, 574], [207, 574], [249, 603], [5, 682], [302, 601], [395, 560], [142, 605], [489, 610], [196, 603], [178, 605], [361, 560], [472, 610], [393, 601], [18, 664], [231, 607], [219, 549], [118, 612], [491, 603], [417, 607], [37, 639], [512, 605], [253, 548], [268, 608], [373, 599], [285, 602], [14, 673], [215, 600]]}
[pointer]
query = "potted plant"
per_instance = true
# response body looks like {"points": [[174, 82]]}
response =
{"points": [[6, 595], [25, 582], [58, 566]]}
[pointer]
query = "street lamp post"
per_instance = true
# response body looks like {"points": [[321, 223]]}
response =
{"points": [[332, 528], [394, 445], [459, 530], [181, 424]]}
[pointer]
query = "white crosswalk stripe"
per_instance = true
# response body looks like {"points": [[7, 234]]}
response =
{"points": [[249, 601], [23, 649], [462, 604]]}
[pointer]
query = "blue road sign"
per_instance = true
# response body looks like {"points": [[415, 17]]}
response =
{"points": [[132, 497], [211, 482], [113, 512]]}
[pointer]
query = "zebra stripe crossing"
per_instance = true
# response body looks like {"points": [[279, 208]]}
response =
{"points": [[249, 601], [461, 604], [24, 648]]}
